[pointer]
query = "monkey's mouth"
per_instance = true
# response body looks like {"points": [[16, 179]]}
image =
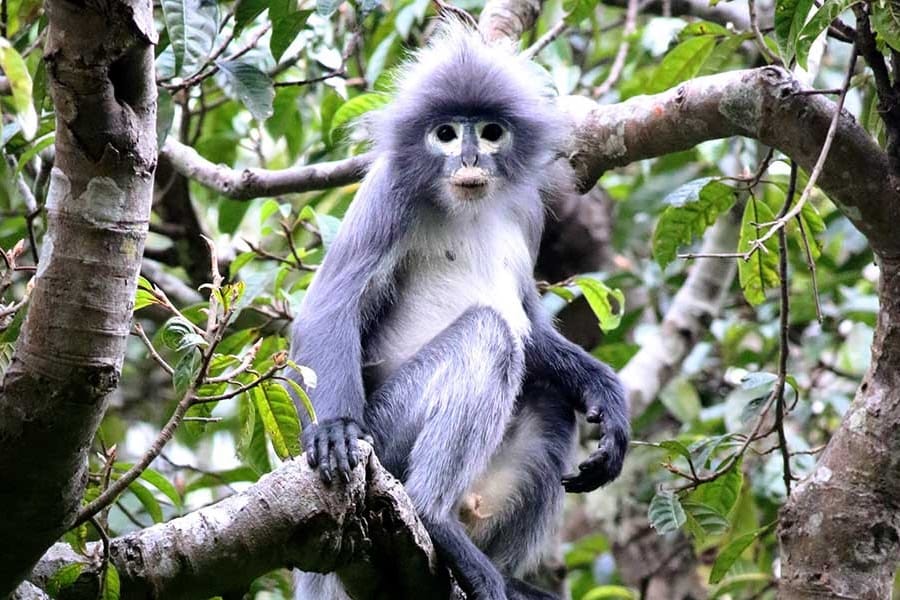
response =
{"points": [[469, 178]]}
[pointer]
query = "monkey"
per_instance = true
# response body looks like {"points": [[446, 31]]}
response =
{"points": [[426, 330]]}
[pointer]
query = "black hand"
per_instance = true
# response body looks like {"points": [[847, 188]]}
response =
{"points": [[603, 465], [332, 445]]}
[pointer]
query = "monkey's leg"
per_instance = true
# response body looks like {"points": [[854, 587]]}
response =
{"points": [[437, 422], [538, 449]]}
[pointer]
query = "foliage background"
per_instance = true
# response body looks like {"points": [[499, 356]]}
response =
{"points": [[275, 83]]}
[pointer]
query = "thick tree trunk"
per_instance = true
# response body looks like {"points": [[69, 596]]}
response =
{"points": [[840, 530], [69, 353]]}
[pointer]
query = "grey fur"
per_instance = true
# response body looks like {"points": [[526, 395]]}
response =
{"points": [[425, 330]]}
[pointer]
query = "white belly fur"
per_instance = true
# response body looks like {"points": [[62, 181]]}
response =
{"points": [[452, 265]]}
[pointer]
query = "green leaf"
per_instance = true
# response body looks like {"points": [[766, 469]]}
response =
{"points": [[706, 448], [219, 478], [174, 330], [760, 272], [192, 26], [113, 586], [304, 399], [743, 581], [731, 553], [251, 86], [721, 494], [671, 446], [598, 294], [676, 447], [693, 207], [279, 416], [39, 144], [165, 115], [251, 444], [813, 228], [683, 62], [231, 213], [147, 500], [143, 298], [246, 11], [724, 53], [790, 16], [609, 591], [356, 107], [578, 10], [330, 105], [886, 21], [16, 71], [156, 479], [703, 28], [666, 514], [77, 538], [65, 577], [703, 520], [284, 31], [240, 261], [829, 11], [379, 58], [186, 370]]}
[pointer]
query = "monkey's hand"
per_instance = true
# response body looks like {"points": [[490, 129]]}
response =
{"points": [[605, 404], [332, 446]]}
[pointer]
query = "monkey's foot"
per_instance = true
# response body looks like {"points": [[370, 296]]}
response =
{"points": [[470, 509]]}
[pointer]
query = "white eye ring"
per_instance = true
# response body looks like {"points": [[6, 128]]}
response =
{"points": [[445, 133], [446, 138]]}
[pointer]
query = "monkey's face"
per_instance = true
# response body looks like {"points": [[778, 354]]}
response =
{"points": [[470, 149]]}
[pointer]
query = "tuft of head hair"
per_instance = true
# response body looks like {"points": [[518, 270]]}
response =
{"points": [[459, 74]]}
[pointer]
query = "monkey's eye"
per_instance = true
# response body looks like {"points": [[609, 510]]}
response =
{"points": [[445, 133], [492, 132]]}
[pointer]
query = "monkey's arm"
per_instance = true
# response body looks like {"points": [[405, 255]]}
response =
{"points": [[591, 386], [348, 288]]}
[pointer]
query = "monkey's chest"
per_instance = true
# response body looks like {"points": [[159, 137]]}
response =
{"points": [[438, 284]]}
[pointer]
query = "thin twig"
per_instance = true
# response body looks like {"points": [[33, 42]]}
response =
{"points": [[210, 67], [245, 364], [239, 390], [815, 92], [104, 537], [758, 36], [622, 53], [139, 331], [545, 40], [783, 341], [130, 516]]}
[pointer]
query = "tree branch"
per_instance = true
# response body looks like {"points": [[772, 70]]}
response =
{"points": [[247, 184], [366, 530], [758, 103]]}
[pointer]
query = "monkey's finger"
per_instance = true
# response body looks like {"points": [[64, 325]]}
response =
{"points": [[594, 414], [309, 447], [324, 458], [339, 449], [352, 435], [576, 484]]}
